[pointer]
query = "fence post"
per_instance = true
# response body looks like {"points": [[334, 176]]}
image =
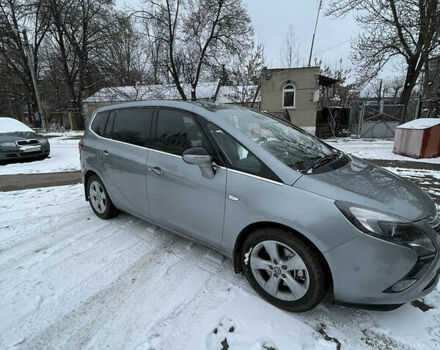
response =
{"points": [[416, 114], [361, 120], [70, 121]]}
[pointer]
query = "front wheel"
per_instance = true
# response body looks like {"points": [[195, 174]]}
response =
{"points": [[99, 198], [284, 269]]}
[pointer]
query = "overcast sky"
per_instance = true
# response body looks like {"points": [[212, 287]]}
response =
{"points": [[271, 19]]}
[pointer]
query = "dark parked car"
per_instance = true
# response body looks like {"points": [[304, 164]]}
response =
{"points": [[18, 141]]}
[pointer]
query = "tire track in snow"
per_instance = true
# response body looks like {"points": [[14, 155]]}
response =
{"points": [[58, 269], [76, 328], [44, 240], [63, 219], [66, 301], [173, 330]]}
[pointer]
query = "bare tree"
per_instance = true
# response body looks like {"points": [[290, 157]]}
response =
{"points": [[77, 29], [344, 90], [408, 29], [16, 17], [246, 77], [122, 58], [394, 87], [289, 51], [193, 35]]}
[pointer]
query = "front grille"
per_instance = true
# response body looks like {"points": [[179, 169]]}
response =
{"points": [[30, 153], [27, 142]]}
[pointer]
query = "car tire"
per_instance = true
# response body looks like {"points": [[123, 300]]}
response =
{"points": [[284, 269], [99, 199]]}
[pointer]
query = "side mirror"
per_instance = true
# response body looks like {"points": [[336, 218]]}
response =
{"points": [[199, 156]]}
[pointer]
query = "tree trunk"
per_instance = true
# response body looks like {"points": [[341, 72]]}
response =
{"points": [[412, 74], [193, 93]]}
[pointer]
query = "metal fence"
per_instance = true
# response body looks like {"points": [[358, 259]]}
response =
{"points": [[371, 119]]}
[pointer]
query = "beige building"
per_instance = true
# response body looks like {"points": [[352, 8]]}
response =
{"points": [[296, 94]]}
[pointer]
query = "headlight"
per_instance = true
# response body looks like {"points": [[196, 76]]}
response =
{"points": [[388, 227], [7, 144], [44, 141]]}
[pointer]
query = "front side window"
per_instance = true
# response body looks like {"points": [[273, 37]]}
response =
{"points": [[99, 123], [177, 131], [289, 144], [289, 93], [237, 156], [132, 125]]}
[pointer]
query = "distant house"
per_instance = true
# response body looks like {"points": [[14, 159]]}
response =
{"points": [[296, 94]]}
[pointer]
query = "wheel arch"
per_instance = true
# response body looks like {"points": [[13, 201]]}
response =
{"points": [[268, 224], [87, 176]]}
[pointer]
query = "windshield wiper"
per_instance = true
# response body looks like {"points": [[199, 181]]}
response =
{"points": [[311, 164]]}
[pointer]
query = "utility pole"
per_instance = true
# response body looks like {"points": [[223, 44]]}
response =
{"points": [[314, 33], [30, 60]]}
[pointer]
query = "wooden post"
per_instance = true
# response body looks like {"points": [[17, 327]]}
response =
{"points": [[70, 121], [361, 121]]}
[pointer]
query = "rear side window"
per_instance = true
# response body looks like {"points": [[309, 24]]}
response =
{"points": [[132, 125], [109, 126], [177, 131], [99, 123]]}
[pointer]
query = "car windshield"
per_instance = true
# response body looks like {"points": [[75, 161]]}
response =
{"points": [[291, 145]]}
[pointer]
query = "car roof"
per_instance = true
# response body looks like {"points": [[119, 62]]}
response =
{"points": [[202, 107]]}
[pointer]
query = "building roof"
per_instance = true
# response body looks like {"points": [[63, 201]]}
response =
{"points": [[205, 91], [421, 123]]}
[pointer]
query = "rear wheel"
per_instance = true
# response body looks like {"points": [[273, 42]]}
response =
{"points": [[284, 269], [99, 199]]}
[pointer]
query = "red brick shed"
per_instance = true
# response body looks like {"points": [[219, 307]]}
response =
{"points": [[419, 138]]}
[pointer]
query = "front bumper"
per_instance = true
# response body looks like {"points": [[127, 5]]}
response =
{"points": [[364, 269], [15, 153]]}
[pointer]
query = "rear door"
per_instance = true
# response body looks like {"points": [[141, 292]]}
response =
{"points": [[180, 197], [123, 158]]}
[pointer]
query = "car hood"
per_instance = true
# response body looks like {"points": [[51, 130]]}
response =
{"points": [[361, 182], [15, 136]]}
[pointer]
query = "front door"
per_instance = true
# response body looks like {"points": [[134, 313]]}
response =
{"points": [[179, 196]]}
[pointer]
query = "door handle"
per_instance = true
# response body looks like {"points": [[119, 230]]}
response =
{"points": [[157, 170], [105, 153]]}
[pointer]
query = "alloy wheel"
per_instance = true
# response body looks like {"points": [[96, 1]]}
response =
{"points": [[97, 197], [279, 270]]}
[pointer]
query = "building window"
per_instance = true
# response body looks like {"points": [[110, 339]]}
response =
{"points": [[289, 93]]}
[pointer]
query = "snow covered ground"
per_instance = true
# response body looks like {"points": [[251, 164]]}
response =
{"points": [[373, 149], [69, 280], [64, 156]]}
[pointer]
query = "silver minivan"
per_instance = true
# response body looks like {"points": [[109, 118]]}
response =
{"points": [[301, 219]]}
